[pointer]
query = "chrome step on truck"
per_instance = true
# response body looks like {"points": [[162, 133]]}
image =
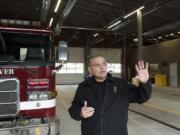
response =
{"points": [[30, 127]]}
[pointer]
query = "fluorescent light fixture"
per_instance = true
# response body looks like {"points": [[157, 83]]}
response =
{"points": [[57, 6], [135, 40], [133, 12], [50, 23], [114, 24], [96, 34], [159, 37], [172, 34], [178, 32]]}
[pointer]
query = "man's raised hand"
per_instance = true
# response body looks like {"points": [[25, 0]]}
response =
{"points": [[142, 71]]}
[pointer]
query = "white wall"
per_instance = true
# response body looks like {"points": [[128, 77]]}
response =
{"points": [[69, 78], [111, 55], [76, 55]]}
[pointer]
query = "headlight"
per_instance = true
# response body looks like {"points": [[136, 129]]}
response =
{"points": [[38, 96], [43, 96], [33, 96]]}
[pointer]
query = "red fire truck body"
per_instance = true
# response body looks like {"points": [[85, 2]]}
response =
{"points": [[27, 82]]}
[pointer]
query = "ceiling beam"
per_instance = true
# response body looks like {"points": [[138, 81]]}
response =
{"points": [[84, 28], [166, 28], [105, 2], [88, 9]]}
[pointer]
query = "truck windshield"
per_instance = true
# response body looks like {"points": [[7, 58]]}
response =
{"points": [[24, 47]]}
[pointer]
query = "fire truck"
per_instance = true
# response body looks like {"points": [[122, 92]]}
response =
{"points": [[27, 81]]}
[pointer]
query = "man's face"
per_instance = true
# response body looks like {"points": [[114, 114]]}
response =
{"points": [[98, 67]]}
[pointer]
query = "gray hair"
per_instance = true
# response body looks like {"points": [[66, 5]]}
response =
{"points": [[93, 57]]}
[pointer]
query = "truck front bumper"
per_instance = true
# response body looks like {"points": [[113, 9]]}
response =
{"points": [[51, 127]]}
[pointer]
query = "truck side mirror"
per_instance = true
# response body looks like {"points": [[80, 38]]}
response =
{"points": [[61, 54]]}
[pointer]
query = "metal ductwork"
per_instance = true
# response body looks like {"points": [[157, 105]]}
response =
{"points": [[66, 11], [63, 16], [45, 10]]}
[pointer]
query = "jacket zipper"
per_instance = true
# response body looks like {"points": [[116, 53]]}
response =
{"points": [[101, 122]]}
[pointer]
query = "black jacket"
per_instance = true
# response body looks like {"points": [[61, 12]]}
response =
{"points": [[112, 117]]}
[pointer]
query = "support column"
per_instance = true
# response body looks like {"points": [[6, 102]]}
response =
{"points": [[87, 54], [124, 60], [139, 34]]}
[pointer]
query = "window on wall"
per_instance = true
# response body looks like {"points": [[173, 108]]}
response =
{"points": [[114, 68], [71, 68], [76, 68]]}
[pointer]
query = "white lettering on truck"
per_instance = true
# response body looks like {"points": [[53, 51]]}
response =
{"points": [[6, 71]]}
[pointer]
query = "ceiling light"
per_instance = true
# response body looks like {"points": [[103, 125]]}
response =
{"points": [[178, 32], [133, 12], [96, 34], [50, 23], [171, 34], [167, 35], [57, 6], [135, 40], [159, 37], [114, 24]]}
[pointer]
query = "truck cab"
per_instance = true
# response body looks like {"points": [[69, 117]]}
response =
{"points": [[27, 82]]}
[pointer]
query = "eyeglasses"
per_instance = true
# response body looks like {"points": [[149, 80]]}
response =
{"points": [[99, 65]]}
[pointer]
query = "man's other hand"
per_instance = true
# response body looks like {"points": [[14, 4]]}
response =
{"points": [[86, 112]]}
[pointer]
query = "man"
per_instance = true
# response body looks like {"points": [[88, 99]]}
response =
{"points": [[102, 101]]}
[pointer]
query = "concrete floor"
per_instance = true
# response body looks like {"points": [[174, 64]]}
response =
{"points": [[164, 106]]}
